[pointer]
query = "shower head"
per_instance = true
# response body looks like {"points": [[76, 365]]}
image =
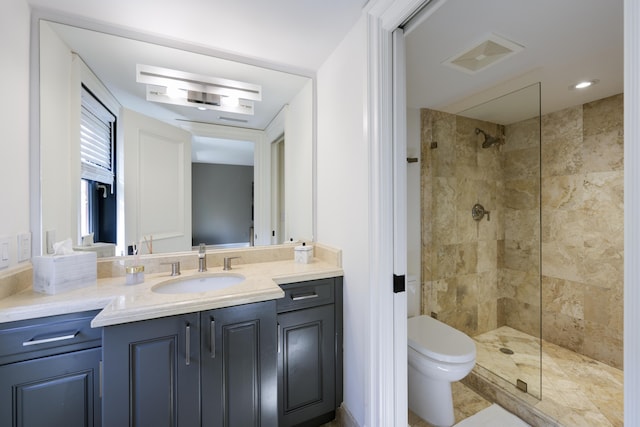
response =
{"points": [[488, 139]]}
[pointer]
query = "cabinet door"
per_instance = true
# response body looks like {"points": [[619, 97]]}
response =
{"points": [[53, 391], [239, 368], [306, 365], [151, 373]]}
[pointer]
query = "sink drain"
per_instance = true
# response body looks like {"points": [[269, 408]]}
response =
{"points": [[506, 350]]}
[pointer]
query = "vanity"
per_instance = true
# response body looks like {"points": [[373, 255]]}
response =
{"points": [[264, 352]]}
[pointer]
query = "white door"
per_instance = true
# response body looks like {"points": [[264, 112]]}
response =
{"points": [[157, 184]]}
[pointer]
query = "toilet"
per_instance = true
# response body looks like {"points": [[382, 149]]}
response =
{"points": [[438, 355]]}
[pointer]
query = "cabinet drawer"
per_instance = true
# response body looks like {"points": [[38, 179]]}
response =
{"points": [[306, 294], [28, 339]]}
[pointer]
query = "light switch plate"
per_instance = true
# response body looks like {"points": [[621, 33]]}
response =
{"points": [[24, 247], [4, 252]]}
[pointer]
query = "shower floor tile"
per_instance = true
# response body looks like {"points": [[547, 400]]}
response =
{"points": [[576, 390]]}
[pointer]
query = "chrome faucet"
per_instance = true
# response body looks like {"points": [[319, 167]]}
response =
{"points": [[175, 267], [202, 258], [227, 262]]}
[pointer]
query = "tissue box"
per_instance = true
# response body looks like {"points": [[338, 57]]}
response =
{"points": [[303, 254], [101, 249], [59, 273]]}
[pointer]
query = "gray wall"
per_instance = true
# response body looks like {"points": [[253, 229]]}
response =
{"points": [[222, 203]]}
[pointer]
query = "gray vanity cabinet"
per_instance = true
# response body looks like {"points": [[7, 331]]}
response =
{"points": [[238, 360], [310, 352], [50, 372], [213, 368], [152, 373]]}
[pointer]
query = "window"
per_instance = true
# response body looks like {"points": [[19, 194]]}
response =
{"points": [[96, 140], [97, 169]]}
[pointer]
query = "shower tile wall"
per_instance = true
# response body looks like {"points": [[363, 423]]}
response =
{"points": [[479, 276], [582, 234], [460, 255]]}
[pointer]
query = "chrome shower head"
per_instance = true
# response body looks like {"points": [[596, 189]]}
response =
{"points": [[488, 139]]}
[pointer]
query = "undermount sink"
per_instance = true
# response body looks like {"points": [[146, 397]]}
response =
{"points": [[193, 284]]}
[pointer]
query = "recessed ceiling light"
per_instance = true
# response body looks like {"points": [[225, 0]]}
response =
{"points": [[583, 84]]}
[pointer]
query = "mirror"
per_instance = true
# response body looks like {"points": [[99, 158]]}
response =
{"points": [[153, 192]]}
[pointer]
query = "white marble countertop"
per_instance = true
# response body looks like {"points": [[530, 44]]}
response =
{"points": [[121, 303]]}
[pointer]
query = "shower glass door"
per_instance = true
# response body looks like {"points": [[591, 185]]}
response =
{"points": [[481, 231]]}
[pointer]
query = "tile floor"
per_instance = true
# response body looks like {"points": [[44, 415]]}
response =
{"points": [[466, 402], [576, 390]]}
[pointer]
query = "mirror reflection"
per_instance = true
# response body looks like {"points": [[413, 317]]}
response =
{"points": [[151, 148]]}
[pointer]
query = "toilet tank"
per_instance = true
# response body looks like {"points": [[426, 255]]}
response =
{"points": [[413, 296]]}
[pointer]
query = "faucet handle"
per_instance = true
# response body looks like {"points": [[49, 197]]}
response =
{"points": [[175, 267], [227, 262]]}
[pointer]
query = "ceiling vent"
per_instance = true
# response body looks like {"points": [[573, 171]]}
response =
{"points": [[489, 51]]}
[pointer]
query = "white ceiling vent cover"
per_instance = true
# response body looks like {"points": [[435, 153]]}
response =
{"points": [[491, 50]]}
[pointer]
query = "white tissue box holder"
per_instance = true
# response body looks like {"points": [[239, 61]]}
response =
{"points": [[59, 273], [303, 254]]}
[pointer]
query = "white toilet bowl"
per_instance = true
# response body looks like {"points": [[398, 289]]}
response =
{"points": [[438, 355]]}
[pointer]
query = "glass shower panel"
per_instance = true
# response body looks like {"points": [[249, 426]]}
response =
{"points": [[481, 230]]}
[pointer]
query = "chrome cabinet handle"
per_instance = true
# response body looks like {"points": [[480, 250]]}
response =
{"points": [[68, 336], [304, 296], [187, 345], [279, 336], [212, 337]]}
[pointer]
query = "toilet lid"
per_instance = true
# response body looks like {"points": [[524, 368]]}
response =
{"points": [[439, 341]]}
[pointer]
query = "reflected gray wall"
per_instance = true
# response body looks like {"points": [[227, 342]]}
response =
{"points": [[222, 203]]}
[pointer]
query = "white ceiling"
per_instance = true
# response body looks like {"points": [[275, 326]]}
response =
{"points": [[296, 33], [564, 42], [292, 35]]}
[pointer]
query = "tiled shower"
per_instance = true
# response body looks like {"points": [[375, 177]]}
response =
{"points": [[547, 259]]}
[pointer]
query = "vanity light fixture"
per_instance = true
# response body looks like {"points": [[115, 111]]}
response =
{"points": [[583, 84], [195, 90]]}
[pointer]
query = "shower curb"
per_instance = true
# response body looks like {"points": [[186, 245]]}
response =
{"points": [[509, 397]]}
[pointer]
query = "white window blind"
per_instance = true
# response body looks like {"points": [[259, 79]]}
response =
{"points": [[96, 140]]}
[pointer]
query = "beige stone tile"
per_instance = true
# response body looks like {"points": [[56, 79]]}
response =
{"points": [[564, 192], [521, 255], [467, 258], [522, 225], [604, 152], [559, 328], [564, 226], [525, 134], [522, 194], [603, 343], [603, 191], [445, 295], [562, 261], [446, 261], [467, 291], [603, 115], [522, 164], [563, 296], [487, 256]]}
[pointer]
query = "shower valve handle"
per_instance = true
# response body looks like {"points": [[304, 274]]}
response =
{"points": [[478, 212]]}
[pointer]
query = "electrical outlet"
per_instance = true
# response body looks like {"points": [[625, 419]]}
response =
{"points": [[4, 252], [24, 247]]}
